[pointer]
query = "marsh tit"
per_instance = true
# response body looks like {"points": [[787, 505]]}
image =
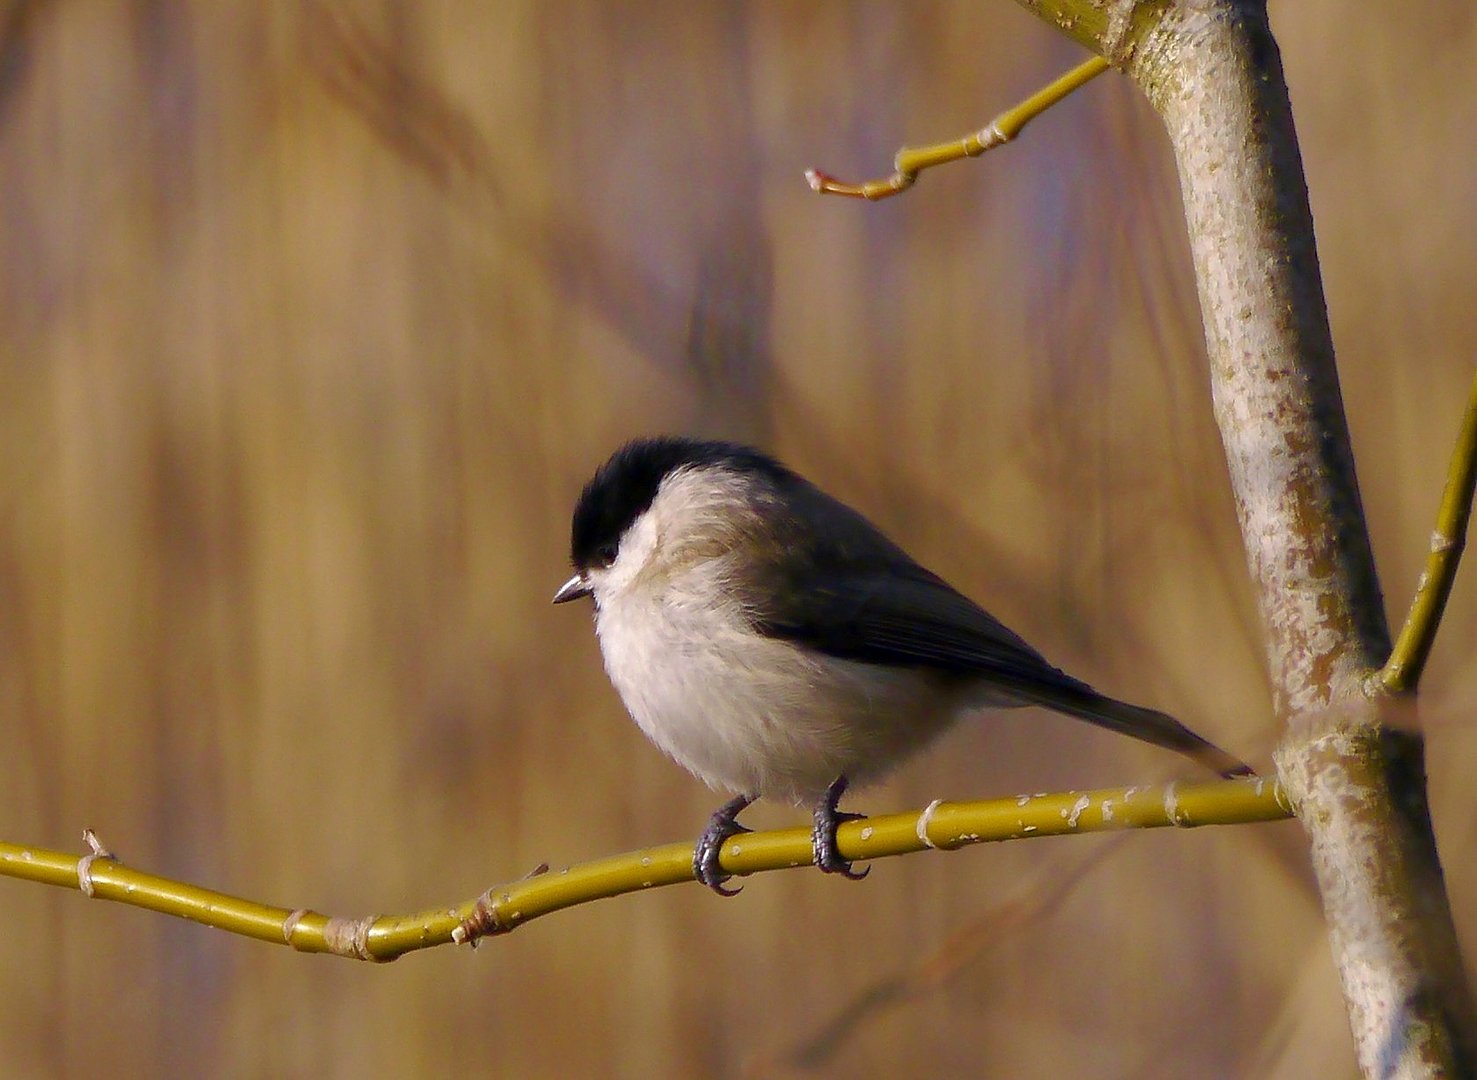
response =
{"points": [[774, 643]]}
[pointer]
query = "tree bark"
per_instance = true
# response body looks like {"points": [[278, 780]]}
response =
{"points": [[1212, 70]]}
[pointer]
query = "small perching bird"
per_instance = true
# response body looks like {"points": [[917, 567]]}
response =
{"points": [[775, 644]]}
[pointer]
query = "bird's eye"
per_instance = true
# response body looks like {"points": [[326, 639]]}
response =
{"points": [[605, 554]]}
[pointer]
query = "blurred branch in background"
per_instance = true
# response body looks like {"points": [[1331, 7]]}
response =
{"points": [[999, 131], [1028, 905], [380, 938], [370, 76]]}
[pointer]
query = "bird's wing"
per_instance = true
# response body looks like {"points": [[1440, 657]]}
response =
{"points": [[909, 617], [847, 591], [829, 579], [901, 614]]}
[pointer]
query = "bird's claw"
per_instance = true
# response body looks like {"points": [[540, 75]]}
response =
{"points": [[706, 866], [828, 819]]}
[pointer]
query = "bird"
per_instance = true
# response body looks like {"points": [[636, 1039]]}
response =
{"points": [[773, 642]]}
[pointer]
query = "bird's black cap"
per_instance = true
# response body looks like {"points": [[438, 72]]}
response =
{"points": [[623, 488]]}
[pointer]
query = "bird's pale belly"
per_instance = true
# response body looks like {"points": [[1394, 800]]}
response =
{"points": [[757, 715]]}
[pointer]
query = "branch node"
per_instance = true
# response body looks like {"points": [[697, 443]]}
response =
{"points": [[1172, 804], [1387, 680], [84, 864], [349, 937], [485, 919], [1279, 796], [925, 819], [989, 137], [483, 922], [290, 924]]}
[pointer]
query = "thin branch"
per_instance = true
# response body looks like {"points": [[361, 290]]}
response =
{"points": [[502, 908], [1402, 672], [999, 131]]}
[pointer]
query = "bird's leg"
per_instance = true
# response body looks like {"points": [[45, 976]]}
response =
{"points": [[823, 836], [722, 825]]}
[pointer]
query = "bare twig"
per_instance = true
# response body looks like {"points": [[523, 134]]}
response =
{"points": [[999, 131], [1402, 672], [502, 908]]}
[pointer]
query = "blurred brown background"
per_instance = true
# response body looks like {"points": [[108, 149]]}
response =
{"points": [[315, 316]]}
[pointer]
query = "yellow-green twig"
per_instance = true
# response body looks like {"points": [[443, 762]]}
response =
{"points": [[500, 909], [911, 161], [1402, 671]]}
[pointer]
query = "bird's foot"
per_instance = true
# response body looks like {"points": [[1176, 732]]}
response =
{"points": [[723, 824], [823, 836]]}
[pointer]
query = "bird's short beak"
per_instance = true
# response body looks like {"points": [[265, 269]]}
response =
{"points": [[572, 589]]}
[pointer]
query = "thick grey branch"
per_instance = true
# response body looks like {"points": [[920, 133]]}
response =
{"points": [[1212, 70]]}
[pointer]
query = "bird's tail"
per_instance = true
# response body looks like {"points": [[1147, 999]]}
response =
{"points": [[1082, 701]]}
